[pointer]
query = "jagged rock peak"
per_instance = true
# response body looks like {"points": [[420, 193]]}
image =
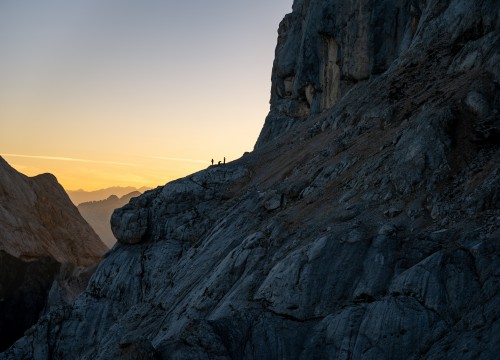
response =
{"points": [[326, 47]]}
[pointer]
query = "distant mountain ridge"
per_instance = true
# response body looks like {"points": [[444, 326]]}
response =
{"points": [[80, 196], [98, 214]]}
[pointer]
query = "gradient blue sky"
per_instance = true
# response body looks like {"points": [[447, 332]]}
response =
{"points": [[129, 92]]}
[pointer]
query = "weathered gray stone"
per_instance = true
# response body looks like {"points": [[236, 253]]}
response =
{"points": [[130, 224], [273, 202], [477, 104], [320, 55], [388, 229], [217, 274], [393, 212]]}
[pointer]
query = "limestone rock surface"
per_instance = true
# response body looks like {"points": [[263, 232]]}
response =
{"points": [[364, 225]]}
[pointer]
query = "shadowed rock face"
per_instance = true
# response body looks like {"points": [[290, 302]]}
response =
{"points": [[24, 287], [364, 226]]}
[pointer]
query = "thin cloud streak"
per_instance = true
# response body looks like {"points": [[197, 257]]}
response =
{"points": [[178, 159], [58, 158]]}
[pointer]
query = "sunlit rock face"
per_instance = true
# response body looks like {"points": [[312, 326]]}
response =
{"points": [[37, 219], [365, 225], [325, 48]]}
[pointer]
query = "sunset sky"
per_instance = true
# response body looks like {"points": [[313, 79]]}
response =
{"points": [[133, 93]]}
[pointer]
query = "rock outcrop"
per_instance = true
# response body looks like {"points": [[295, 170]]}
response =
{"points": [[364, 225], [98, 215], [40, 232]]}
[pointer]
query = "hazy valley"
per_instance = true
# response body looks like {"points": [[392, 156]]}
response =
{"points": [[82, 196]]}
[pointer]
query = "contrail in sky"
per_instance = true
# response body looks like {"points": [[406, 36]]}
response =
{"points": [[58, 158], [178, 159]]}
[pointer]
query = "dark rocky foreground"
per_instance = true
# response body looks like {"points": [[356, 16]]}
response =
{"points": [[37, 220], [364, 225]]}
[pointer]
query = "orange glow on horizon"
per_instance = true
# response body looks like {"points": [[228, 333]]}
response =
{"points": [[124, 93], [90, 175]]}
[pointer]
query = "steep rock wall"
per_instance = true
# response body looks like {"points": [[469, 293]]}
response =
{"points": [[327, 47]]}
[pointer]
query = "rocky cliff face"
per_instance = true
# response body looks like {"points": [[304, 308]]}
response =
{"points": [[326, 48], [81, 196], [40, 229], [24, 287], [365, 224]]}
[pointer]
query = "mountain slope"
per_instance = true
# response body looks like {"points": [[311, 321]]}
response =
{"points": [[364, 225], [98, 215], [37, 219]]}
